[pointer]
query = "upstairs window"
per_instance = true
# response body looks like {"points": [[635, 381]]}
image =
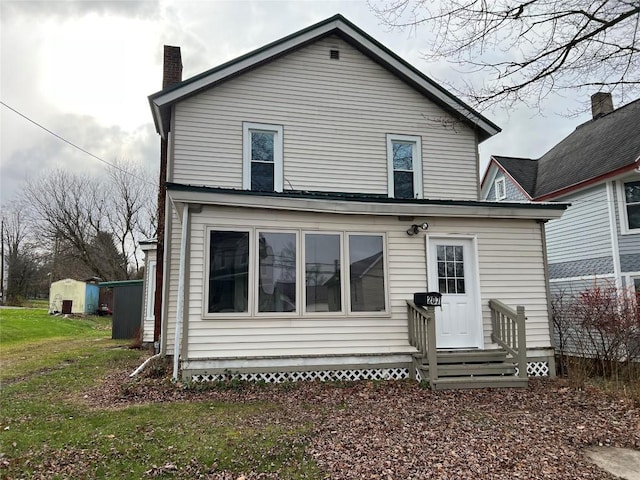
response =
{"points": [[501, 191], [262, 157], [631, 195], [404, 166]]}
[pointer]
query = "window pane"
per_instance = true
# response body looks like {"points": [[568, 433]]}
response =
{"points": [[277, 272], [402, 156], [633, 215], [632, 192], [262, 146], [366, 273], [403, 184], [228, 271], [262, 176], [440, 249], [450, 269], [322, 273]]}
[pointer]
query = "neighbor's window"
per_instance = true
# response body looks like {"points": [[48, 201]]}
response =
{"points": [[366, 273], [632, 204], [228, 271], [404, 164], [501, 192], [262, 157], [323, 286], [277, 272]]}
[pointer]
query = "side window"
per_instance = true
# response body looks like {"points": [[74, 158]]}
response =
{"points": [[262, 157], [366, 273], [277, 260], [632, 205], [228, 271], [404, 166], [501, 191]]}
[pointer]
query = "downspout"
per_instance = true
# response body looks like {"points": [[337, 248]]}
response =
{"points": [[547, 287], [177, 340]]}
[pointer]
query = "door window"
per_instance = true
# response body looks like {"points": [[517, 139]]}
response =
{"points": [[450, 269]]}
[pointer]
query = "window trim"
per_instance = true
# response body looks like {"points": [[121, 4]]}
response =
{"points": [[500, 181], [347, 275], [278, 168], [254, 287], [343, 311], [151, 290], [207, 264], [416, 141], [622, 208], [300, 311]]}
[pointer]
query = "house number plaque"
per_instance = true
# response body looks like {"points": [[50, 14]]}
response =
{"points": [[428, 299]]}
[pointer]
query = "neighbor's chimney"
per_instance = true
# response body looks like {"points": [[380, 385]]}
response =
{"points": [[172, 67], [601, 104], [171, 74]]}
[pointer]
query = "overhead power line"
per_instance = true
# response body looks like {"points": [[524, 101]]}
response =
{"points": [[73, 144]]}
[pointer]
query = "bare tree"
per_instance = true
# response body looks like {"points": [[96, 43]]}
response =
{"points": [[530, 48], [23, 262], [97, 221]]}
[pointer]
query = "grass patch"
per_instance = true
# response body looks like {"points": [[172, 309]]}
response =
{"points": [[47, 431]]}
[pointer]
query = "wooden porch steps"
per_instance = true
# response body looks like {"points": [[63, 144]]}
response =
{"points": [[472, 369]]}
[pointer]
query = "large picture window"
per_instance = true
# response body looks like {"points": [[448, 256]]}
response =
{"points": [[262, 157], [277, 272], [259, 272], [404, 164], [366, 273], [228, 271], [322, 266]]}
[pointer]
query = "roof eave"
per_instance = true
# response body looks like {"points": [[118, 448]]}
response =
{"points": [[586, 183]]}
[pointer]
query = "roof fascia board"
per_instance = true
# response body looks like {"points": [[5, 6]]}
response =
{"points": [[510, 211], [588, 183], [363, 41]]}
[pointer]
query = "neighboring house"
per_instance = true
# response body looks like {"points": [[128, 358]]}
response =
{"points": [[597, 170], [299, 178]]}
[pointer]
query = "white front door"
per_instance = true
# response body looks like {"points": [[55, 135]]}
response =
{"points": [[452, 271]]}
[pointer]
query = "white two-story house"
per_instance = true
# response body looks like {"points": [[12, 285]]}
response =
{"points": [[313, 186]]}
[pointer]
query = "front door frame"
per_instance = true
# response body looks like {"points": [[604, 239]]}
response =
{"points": [[432, 279]]}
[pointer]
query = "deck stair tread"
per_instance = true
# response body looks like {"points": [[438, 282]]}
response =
{"points": [[462, 369], [458, 383]]}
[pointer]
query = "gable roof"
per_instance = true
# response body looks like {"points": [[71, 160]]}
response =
{"points": [[523, 170], [162, 101], [596, 150]]}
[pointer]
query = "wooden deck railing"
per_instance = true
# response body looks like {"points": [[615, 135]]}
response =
{"points": [[509, 331], [422, 335]]}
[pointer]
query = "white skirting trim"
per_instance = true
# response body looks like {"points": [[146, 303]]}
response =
{"points": [[319, 375]]}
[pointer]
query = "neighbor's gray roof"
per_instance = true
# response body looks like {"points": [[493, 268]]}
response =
{"points": [[523, 171], [595, 149]]}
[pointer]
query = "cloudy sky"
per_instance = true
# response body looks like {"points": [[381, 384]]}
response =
{"points": [[84, 69]]}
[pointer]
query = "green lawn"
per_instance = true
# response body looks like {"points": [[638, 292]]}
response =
{"points": [[48, 431]]}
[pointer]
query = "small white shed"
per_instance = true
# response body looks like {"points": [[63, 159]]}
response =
{"points": [[73, 296]]}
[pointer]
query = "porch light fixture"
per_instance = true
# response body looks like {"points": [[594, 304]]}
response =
{"points": [[415, 228]]}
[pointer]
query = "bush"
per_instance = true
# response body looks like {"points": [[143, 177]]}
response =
{"points": [[598, 333]]}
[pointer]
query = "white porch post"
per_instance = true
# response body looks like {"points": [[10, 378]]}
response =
{"points": [[180, 304]]}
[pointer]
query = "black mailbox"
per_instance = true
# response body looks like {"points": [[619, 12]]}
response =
{"points": [[427, 299]]}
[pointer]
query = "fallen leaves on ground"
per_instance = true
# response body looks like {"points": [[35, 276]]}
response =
{"points": [[398, 430]]}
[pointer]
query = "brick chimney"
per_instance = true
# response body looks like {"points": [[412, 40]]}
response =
{"points": [[172, 67], [601, 104], [171, 74]]}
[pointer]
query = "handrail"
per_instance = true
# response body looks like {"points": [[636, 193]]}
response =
{"points": [[422, 335], [509, 331]]}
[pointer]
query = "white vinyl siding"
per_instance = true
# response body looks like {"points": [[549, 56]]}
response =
{"points": [[510, 263], [583, 232], [336, 114]]}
